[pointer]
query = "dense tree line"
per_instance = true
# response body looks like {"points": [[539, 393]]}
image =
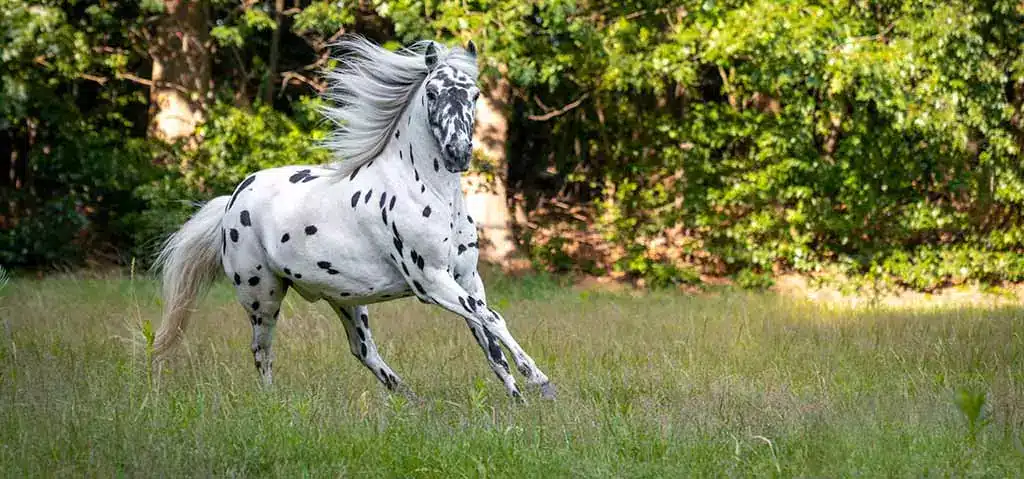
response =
{"points": [[650, 139]]}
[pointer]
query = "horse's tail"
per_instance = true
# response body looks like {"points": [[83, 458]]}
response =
{"points": [[189, 261]]}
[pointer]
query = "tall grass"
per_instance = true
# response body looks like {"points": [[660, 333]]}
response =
{"points": [[651, 385]]}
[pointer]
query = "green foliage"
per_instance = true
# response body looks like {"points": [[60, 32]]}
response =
{"points": [[778, 134], [719, 137]]}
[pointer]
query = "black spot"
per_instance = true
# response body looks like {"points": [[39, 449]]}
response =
{"points": [[255, 305], [420, 262], [298, 275], [462, 301], [417, 172], [437, 167], [362, 335], [472, 303], [298, 176], [398, 245], [384, 216], [391, 205], [323, 264], [362, 349], [419, 287], [366, 320], [287, 271], [457, 275], [405, 268], [252, 319], [285, 237], [398, 133], [383, 198], [423, 188], [368, 195], [413, 255], [355, 198], [395, 230], [309, 178], [426, 212], [311, 230], [495, 350], [271, 293], [451, 225], [354, 173], [470, 218], [445, 240], [400, 156], [246, 182], [244, 217], [472, 245], [479, 302], [412, 159], [462, 248], [344, 294], [332, 271], [253, 281], [259, 267], [223, 242], [238, 279]]}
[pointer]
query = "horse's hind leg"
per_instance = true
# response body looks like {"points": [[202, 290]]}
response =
{"points": [[356, 320], [260, 292]]}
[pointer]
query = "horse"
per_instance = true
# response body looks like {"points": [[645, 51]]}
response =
{"points": [[386, 220]]}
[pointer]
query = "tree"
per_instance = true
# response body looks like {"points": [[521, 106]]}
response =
{"points": [[181, 79]]}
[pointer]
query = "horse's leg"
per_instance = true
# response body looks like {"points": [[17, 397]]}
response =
{"points": [[497, 327], [260, 292], [357, 326], [440, 288]]}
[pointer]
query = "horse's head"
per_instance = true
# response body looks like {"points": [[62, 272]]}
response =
{"points": [[451, 100]]}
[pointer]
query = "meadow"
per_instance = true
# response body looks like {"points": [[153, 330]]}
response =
{"points": [[654, 384]]}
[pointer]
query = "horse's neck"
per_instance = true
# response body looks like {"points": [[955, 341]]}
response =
{"points": [[415, 152]]}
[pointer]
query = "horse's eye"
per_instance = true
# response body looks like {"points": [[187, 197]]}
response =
{"points": [[431, 96], [476, 95]]}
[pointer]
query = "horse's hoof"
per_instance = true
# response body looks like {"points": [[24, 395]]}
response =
{"points": [[547, 391]]}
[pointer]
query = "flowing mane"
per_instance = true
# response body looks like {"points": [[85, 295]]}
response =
{"points": [[370, 91]]}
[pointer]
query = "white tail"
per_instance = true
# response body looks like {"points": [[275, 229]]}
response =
{"points": [[189, 261]]}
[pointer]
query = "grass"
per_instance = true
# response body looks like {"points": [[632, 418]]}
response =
{"points": [[651, 385]]}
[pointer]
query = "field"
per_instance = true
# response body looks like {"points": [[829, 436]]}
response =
{"points": [[651, 385]]}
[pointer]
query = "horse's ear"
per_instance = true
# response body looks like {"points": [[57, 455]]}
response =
{"points": [[431, 57], [471, 48]]}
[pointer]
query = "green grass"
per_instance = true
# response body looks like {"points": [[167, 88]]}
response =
{"points": [[651, 385]]}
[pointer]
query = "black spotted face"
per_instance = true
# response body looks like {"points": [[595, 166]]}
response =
{"points": [[451, 101]]}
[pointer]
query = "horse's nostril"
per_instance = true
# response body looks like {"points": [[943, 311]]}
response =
{"points": [[450, 150]]}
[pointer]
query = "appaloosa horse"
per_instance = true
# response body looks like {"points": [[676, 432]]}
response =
{"points": [[386, 221]]}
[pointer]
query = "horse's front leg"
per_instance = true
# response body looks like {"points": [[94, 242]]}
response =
{"points": [[488, 327], [474, 286]]}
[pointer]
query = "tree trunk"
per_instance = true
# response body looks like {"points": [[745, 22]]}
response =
{"points": [[486, 195], [275, 48], [181, 70]]}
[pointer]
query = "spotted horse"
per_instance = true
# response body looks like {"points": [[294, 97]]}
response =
{"points": [[386, 221]]}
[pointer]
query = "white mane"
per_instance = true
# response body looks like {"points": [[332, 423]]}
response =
{"points": [[370, 91]]}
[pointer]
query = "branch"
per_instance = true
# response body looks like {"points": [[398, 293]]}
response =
{"points": [[286, 76], [561, 111]]}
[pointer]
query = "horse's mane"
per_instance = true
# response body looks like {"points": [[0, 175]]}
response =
{"points": [[370, 91]]}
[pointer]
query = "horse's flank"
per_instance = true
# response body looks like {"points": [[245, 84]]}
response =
{"points": [[371, 90]]}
